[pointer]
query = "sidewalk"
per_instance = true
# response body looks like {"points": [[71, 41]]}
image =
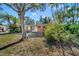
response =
{"points": [[4, 32]]}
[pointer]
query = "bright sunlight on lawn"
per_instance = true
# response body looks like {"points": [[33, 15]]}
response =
{"points": [[37, 47], [8, 38]]}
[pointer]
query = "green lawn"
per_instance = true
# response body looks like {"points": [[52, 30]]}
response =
{"points": [[8, 38]]}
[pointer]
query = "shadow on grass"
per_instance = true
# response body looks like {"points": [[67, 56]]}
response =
{"points": [[11, 44], [50, 43], [62, 45]]}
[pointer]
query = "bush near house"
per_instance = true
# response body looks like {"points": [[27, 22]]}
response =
{"points": [[66, 33], [14, 28], [56, 32], [73, 29]]}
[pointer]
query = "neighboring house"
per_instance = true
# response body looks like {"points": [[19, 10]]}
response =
{"points": [[3, 28], [36, 28]]}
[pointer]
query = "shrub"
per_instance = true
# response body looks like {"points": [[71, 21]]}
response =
{"points": [[17, 30], [48, 32], [56, 32], [73, 29], [14, 28]]}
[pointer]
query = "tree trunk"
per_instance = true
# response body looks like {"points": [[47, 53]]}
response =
{"points": [[23, 30], [8, 21]]}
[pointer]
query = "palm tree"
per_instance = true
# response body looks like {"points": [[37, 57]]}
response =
{"points": [[71, 13], [21, 8], [7, 18], [29, 21], [77, 11], [58, 14], [52, 5]]}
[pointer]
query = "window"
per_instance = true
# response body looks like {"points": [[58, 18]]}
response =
{"points": [[43, 26], [39, 26]]}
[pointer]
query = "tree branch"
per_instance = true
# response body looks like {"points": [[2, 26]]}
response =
{"points": [[11, 7], [28, 8]]}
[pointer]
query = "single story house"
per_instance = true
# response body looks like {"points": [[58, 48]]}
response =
{"points": [[3, 28], [36, 28]]}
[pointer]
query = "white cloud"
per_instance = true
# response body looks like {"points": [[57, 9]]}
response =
{"points": [[33, 14]]}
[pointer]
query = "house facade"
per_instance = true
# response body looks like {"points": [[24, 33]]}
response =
{"points": [[36, 28], [3, 28]]}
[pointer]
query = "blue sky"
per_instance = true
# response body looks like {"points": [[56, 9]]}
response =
{"points": [[34, 15]]}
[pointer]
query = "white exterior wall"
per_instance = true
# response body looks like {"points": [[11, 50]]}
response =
{"points": [[33, 29], [5, 29]]}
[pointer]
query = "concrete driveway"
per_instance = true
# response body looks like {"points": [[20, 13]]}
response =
{"points": [[34, 34]]}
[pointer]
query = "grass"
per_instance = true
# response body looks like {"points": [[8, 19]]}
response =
{"points": [[33, 47], [8, 38]]}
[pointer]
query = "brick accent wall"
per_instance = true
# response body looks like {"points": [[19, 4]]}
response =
{"points": [[40, 28]]}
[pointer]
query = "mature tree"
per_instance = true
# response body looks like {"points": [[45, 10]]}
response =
{"points": [[54, 8], [57, 10], [15, 20], [1, 21], [71, 13], [21, 8], [44, 20], [4, 15], [29, 21], [77, 8], [7, 18], [65, 11]]}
